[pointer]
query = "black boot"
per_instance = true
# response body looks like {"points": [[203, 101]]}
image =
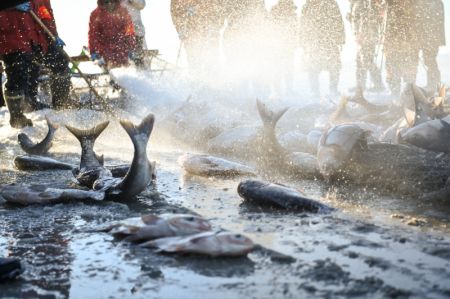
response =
{"points": [[16, 118]]}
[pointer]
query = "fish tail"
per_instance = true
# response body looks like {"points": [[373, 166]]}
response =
{"points": [[269, 118], [52, 126], [90, 134], [144, 128]]}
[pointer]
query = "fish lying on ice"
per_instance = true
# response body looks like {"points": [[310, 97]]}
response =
{"points": [[26, 194], [45, 163], [10, 268], [205, 165], [149, 227], [212, 244], [91, 167], [141, 171], [42, 147], [433, 135], [40, 163], [337, 145], [275, 195]]}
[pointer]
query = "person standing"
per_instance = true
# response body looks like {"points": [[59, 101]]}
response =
{"points": [[49, 54], [367, 22], [285, 25], [322, 38], [400, 44], [134, 8], [2, 99], [198, 24], [111, 34], [430, 26], [17, 34]]}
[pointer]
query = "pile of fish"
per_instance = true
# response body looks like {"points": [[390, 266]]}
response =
{"points": [[96, 181], [180, 233]]}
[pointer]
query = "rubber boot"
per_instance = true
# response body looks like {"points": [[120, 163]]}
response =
{"points": [[16, 117]]}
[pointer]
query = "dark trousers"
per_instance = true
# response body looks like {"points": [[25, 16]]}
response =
{"points": [[430, 60], [365, 63], [18, 68], [58, 66], [2, 99]]}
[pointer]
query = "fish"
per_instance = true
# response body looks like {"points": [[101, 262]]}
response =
{"points": [[91, 165], [279, 196], [205, 165], [22, 162], [28, 194], [433, 135], [238, 142], [359, 99], [149, 227], [337, 145], [273, 156], [213, 244], [313, 139], [10, 268], [42, 147], [141, 171], [340, 114]]}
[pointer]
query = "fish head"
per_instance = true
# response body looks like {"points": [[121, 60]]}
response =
{"points": [[235, 243], [416, 136], [23, 139], [188, 224]]}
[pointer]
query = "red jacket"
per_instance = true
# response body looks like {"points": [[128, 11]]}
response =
{"points": [[111, 35], [18, 30]]}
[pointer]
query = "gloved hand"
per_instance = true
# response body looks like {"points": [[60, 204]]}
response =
{"points": [[59, 42], [97, 59], [95, 56], [25, 7]]}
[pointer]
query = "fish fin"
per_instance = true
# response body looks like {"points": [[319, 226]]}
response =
{"points": [[52, 126], [268, 117], [92, 133], [410, 116], [100, 159], [150, 219], [419, 95], [145, 127], [152, 166]]}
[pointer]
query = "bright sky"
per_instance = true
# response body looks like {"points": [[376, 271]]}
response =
{"points": [[72, 18]]}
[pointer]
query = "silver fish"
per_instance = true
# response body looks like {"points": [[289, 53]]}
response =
{"points": [[278, 196], [141, 170], [26, 194], [91, 166], [42, 147], [433, 135], [149, 227], [337, 145], [205, 165], [212, 244], [40, 163]]}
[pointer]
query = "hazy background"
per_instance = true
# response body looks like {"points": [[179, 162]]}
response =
{"points": [[72, 18]]}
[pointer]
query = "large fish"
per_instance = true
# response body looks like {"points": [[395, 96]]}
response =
{"points": [[278, 196], [91, 167], [433, 135], [40, 163], [42, 147], [10, 268], [149, 227], [141, 171], [26, 194], [205, 165], [212, 244], [337, 145]]}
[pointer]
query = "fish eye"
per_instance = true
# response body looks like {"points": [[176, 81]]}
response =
{"points": [[190, 219], [238, 236]]}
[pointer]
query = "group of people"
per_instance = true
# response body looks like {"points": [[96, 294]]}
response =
{"points": [[29, 45], [254, 41], [397, 30]]}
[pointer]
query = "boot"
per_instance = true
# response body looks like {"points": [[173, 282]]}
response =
{"points": [[16, 118]]}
